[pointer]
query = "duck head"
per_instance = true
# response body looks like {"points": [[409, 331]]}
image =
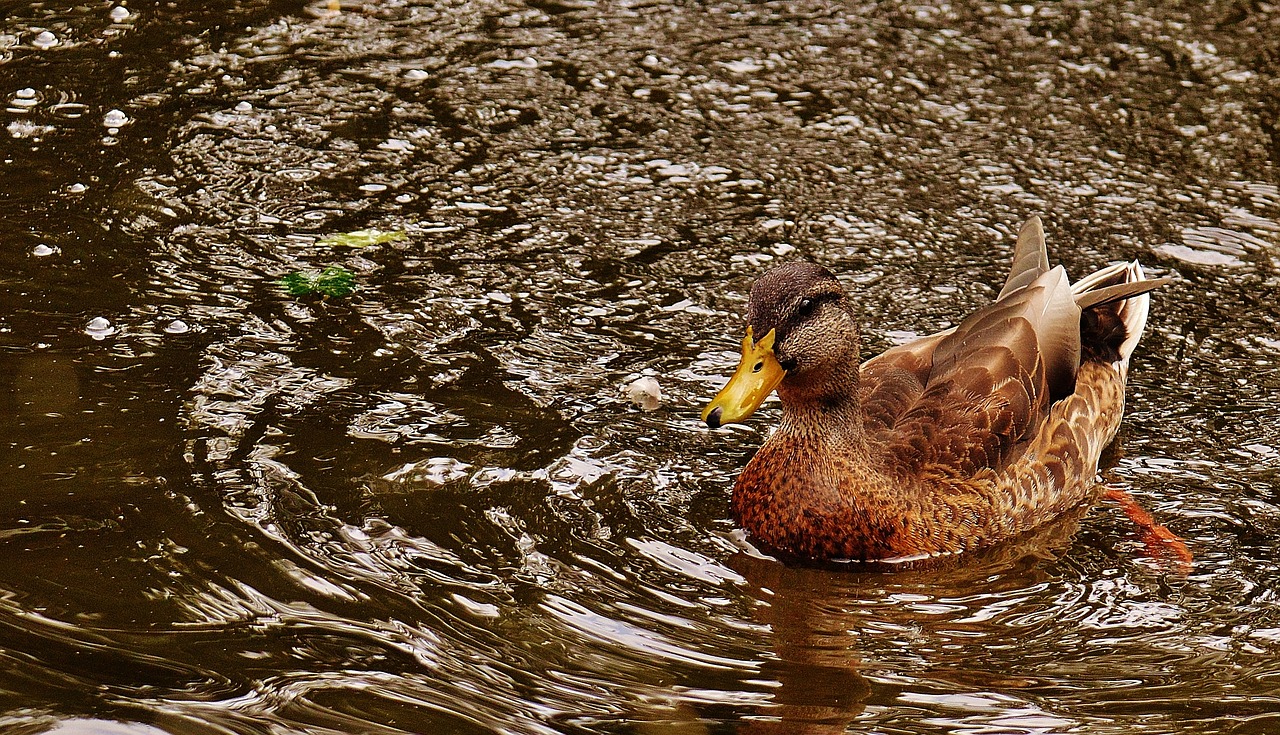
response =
{"points": [[809, 342]]}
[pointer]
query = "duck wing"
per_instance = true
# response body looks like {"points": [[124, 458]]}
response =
{"points": [[992, 381], [892, 382], [973, 397]]}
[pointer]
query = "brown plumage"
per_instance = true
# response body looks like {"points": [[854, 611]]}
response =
{"points": [[949, 443]]}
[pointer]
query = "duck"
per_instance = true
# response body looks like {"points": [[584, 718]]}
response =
{"points": [[946, 444]]}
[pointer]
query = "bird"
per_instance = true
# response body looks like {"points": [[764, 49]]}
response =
{"points": [[949, 443]]}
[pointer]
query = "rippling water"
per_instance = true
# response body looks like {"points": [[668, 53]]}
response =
{"points": [[430, 507]]}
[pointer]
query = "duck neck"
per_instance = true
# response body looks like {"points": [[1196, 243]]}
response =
{"points": [[825, 406]]}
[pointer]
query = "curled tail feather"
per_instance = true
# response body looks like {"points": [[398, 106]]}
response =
{"points": [[1114, 303]]}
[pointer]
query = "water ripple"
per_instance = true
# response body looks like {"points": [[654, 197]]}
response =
{"points": [[428, 508]]}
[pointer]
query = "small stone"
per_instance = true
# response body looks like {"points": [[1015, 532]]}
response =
{"points": [[645, 393]]}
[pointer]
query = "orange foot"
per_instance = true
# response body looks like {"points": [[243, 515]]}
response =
{"points": [[1160, 541]]}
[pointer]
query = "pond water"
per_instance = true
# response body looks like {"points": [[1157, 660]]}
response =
{"points": [[429, 508]]}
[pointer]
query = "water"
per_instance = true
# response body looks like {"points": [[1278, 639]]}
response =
{"points": [[431, 507]]}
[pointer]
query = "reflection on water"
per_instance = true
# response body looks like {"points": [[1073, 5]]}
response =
{"points": [[430, 507]]}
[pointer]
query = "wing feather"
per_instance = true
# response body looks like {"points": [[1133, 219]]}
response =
{"points": [[992, 380], [891, 382]]}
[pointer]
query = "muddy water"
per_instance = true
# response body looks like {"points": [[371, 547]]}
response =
{"points": [[429, 508]]}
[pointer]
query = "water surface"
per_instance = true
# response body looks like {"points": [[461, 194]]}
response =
{"points": [[429, 507]]}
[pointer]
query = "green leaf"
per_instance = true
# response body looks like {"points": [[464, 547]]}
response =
{"points": [[334, 281], [362, 238]]}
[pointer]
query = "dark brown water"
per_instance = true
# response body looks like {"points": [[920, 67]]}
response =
{"points": [[428, 508]]}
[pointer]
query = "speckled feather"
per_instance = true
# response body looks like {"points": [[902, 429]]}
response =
{"points": [[952, 442]]}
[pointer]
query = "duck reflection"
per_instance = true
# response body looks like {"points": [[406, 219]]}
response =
{"points": [[834, 625]]}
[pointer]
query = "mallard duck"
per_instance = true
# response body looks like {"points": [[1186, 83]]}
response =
{"points": [[949, 443]]}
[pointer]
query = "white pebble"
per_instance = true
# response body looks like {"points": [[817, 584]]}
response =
{"points": [[645, 393]]}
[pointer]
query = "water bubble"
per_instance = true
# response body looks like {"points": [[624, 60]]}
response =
{"points": [[25, 97], [119, 14], [244, 107], [177, 326], [645, 393], [77, 188], [42, 250], [373, 187], [99, 328], [416, 74], [115, 119], [44, 40]]}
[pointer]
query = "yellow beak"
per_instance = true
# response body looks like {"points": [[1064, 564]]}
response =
{"points": [[757, 375]]}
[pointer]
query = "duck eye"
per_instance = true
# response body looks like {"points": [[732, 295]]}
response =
{"points": [[805, 307]]}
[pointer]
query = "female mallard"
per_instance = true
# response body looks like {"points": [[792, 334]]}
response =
{"points": [[952, 442]]}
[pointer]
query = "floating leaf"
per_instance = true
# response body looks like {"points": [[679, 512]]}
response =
{"points": [[334, 281], [362, 238]]}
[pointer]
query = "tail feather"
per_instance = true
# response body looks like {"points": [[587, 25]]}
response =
{"points": [[1114, 302], [1030, 258], [1119, 292]]}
